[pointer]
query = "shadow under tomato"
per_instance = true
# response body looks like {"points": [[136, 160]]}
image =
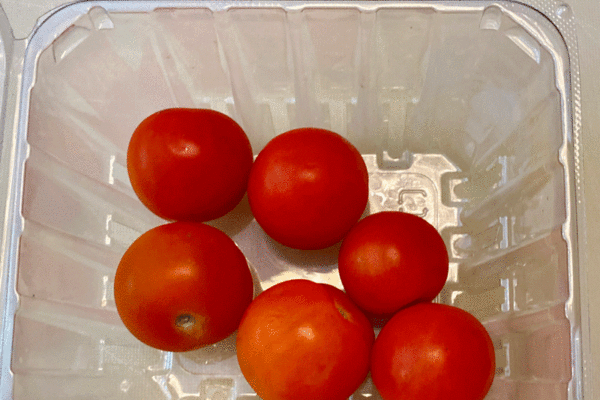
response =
{"points": [[379, 320], [195, 361], [236, 220], [257, 287], [367, 210], [367, 390], [322, 259]]}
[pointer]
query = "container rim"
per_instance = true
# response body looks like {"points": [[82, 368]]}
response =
{"points": [[52, 24]]}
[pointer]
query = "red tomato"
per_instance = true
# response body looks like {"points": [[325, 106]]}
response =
{"points": [[392, 259], [189, 164], [182, 286], [433, 352], [303, 340], [308, 187]]}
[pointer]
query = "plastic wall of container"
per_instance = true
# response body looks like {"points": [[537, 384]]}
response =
{"points": [[467, 114]]}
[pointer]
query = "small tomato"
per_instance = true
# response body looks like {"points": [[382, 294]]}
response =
{"points": [[182, 286], [302, 340]]}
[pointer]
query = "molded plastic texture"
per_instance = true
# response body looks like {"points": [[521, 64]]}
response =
{"points": [[461, 110]]}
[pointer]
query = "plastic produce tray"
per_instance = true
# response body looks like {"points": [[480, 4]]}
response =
{"points": [[466, 114]]}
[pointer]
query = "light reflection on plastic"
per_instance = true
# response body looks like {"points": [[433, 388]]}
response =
{"points": [[107, 239], [454, 295], [161, 380], [329, 277], [105, 285], [176, 385], [504, 224], [111, 169], [506, 347], [506, 285]]}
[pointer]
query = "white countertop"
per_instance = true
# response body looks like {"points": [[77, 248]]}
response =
{"points": [[23, 15]]}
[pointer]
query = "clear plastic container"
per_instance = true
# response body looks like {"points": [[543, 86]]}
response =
{"points": [[466, 114]]}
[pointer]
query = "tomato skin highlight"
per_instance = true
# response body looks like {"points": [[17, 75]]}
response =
{"points": [[189, 164], [433, 352], [392, 259], [182, 286], [308, 187], [303, 340]]}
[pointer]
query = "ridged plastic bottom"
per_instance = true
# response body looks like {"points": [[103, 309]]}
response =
{"points": [[457, 114]]}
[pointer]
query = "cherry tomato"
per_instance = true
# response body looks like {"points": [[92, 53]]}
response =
{"points": [[392, 259], [303, 340], [433, 352], [182, 286], [189, 164], [308, 187]]}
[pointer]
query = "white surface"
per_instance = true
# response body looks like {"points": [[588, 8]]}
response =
{"points": [[23, 15]]}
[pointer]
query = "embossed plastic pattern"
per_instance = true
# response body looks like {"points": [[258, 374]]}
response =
{"points": [[462, 113]]}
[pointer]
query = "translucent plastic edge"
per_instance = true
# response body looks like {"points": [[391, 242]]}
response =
{"points": [[7, 298], [556, 33], [560, 16]]}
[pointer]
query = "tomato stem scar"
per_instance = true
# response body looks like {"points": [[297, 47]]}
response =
{"points": [[185, 321], [343, 312]]}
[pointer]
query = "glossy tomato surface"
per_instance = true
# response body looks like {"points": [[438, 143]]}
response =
{"points": [[189, 164], [301, 340], [308, 187], [392, 259], [433, 352], [182, 286]]}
